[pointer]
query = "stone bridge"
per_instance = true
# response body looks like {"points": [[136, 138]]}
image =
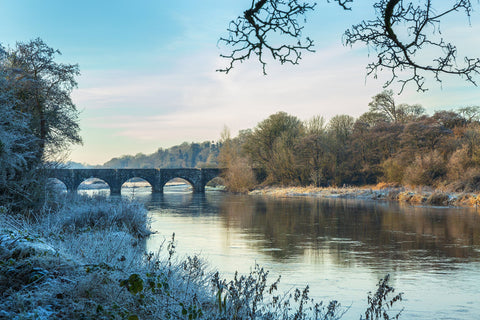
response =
{"points": [[115, 178]]}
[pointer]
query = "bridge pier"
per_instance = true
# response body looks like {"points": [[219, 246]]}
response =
{"points": [[199, 188], [156, 189], [115, 190]]}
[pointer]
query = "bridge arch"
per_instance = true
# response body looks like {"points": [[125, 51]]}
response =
{"points": [[134, 183], [149, 175], [216, 183], [172, 181], [94, 185], [57, 185], [192, 175]]}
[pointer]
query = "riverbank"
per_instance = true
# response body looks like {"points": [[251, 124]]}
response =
{"points": [[86, 259], [413, 196]]}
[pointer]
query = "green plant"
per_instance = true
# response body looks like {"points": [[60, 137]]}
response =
{"points": [[134, 284]]}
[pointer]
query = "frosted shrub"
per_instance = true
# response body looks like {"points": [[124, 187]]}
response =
{"points": [[380, 304], [438, 199], [457, 164], [17, 149], [101, 213], [462, 172]]}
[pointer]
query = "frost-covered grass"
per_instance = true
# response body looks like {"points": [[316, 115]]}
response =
{"points": [[99, 213], [86, 260], [66, 263], [411, 195]]}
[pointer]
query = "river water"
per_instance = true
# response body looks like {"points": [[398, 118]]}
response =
{"points": [[339, 247]]}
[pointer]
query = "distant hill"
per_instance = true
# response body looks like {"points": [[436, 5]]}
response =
{"points": [[186, 155], [77, 165]]}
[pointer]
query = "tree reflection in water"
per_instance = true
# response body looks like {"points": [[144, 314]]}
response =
{"points": [[354, 231], [357, 231]]}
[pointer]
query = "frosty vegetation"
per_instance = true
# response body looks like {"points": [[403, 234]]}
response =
{"points": [[38, 120], [16, 144]]}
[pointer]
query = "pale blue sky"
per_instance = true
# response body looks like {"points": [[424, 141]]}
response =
{"points": [[148, 70]]}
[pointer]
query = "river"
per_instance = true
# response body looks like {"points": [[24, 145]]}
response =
{"points": [[339, 247]]}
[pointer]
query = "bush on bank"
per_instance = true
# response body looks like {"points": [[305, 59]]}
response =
{"points": [[87, 260]]}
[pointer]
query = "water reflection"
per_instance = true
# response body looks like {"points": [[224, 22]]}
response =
{"points": [[180, 202], [340, 247], [355, 230]]}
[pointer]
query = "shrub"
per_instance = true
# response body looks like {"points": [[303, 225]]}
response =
{"points": [[380, 303], [250, 297], [393, 170], [466, 181], [472, 180], [418, 198], [457, 164], [393, 195], [240, 176], [468, 200], [405, 196], [427, 170]]}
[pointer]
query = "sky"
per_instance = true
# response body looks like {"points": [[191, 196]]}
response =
{"points": [[148, 70]]}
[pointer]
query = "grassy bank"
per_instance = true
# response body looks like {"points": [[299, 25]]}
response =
{"points": [[415, 196], [86, 260]]}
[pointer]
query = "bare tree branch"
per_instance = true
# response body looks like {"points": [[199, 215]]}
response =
{"points": [[405, 36], [420, 27], [343, 3], [251, 33]]}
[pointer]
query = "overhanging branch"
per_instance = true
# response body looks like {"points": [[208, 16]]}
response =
{"points": [[254, 34]]}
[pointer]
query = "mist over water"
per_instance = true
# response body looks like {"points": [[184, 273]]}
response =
{"points": [[340, 248]]}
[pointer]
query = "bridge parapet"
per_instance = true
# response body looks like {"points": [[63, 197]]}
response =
{"points": [[115, 178]]}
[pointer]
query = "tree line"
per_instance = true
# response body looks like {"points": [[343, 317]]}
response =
{"points": [[185, 155], [392, 143]]}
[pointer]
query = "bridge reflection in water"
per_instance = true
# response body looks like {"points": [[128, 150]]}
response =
{"points": [[115, 178]]}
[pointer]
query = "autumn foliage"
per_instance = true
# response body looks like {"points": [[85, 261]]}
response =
{"points": [[394, 144]]}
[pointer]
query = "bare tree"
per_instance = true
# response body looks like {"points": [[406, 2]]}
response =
{"points": [[401, 34], [384, 105]]}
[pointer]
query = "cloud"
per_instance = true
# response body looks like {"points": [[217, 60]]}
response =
{"points": [[192, 102], [192, 95]]}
